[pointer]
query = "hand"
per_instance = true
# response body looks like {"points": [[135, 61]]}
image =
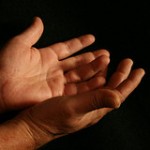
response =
{"points": [[63, 115], [29, 75]]}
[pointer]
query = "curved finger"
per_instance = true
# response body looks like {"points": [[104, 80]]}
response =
{"points": [[130, 83], [69, 47], [94, 100], [85, 58], [122, 72], [87, 71], [106, 98]]}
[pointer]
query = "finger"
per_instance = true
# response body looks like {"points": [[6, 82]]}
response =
{"points": [[103, 98], [130, 83], [76, 88], [122, 72], [32, 34], [69, 47], [85, 58], [104, 73], [87, 71], [94, 100]]}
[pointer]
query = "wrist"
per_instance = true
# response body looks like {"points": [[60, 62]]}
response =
{"points": [[15, 134], [37, 133], [23, 132]]}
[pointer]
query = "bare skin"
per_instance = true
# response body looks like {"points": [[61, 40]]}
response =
{"points": [[62, 115], [81, 98], [32, 75]]}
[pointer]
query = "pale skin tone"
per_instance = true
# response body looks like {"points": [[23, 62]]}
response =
{"points": [[68, 92]]}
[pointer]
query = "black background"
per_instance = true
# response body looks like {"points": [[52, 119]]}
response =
{"points": [[121, 27]]}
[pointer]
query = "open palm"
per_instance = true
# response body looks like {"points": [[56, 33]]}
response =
{"points": [[63, 115], [30, 75]]}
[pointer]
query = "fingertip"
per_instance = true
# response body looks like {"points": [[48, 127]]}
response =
{"points": [[116, 103], [32, 34], [110, 99], [90, 38], [142, 71], [128, 61], [105, 59], [105, 52], [38, 21], [113, 100], [101, 52]]}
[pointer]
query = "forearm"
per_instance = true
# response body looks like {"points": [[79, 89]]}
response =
{"points": [[17, 134]]}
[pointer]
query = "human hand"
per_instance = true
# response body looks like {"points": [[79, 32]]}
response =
{"points": [[63, 115], [29, 75]]}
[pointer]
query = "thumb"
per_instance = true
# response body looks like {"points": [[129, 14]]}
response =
{"points": [[32, 34], [93, 100]]}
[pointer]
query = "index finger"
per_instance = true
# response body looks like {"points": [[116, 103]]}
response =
{"points": [[69, 47]]}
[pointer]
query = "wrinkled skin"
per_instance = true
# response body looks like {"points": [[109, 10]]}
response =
{"points": [[68, 93]]}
